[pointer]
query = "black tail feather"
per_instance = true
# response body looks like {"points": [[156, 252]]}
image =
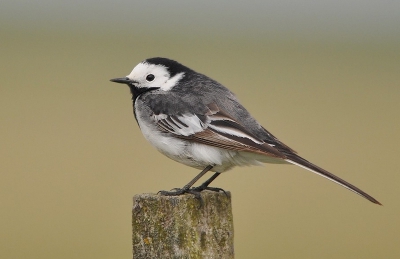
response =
{"points": [[297, 160]]}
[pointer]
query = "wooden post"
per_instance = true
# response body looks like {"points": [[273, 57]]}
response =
{"points": [[182, 227]]}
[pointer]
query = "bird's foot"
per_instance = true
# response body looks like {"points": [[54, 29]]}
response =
{"points": [[194, 191], [181, 191], [213, 189]]}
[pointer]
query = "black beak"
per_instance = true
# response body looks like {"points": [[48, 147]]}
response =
{"points": [[121, 80]]}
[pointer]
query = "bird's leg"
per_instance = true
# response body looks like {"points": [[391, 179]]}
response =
{"points": [[186, 188], [204, 186]]}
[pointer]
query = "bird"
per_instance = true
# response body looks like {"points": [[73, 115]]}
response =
{"points": [[194, 120]]}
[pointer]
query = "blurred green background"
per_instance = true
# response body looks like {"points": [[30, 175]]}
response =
{"points": [[324, 77]]}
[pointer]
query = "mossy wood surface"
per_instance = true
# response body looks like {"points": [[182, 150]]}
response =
{"points": [[180, 227]]}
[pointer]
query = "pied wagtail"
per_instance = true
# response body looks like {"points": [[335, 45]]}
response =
{"points": [[196, 121]]}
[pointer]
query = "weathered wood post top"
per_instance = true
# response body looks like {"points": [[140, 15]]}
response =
{"points": [[182, 226]]}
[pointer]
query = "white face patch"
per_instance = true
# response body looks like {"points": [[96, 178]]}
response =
{"points": [[161, 75], [169, 84]]}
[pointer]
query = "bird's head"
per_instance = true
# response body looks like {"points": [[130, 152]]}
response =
{"points": [[153, 74]]}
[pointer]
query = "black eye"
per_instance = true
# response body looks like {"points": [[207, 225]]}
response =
{"points": [[150, 77]]}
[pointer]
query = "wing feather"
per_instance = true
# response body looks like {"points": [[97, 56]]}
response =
{"points": [[215, 128]]}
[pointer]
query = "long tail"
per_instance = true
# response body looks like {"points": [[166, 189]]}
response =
{"points": [[297, 160]]}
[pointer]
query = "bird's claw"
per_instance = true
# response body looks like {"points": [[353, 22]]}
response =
{"points": [[213, 189], [194, 191], [181, 191], [173, 192]]}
